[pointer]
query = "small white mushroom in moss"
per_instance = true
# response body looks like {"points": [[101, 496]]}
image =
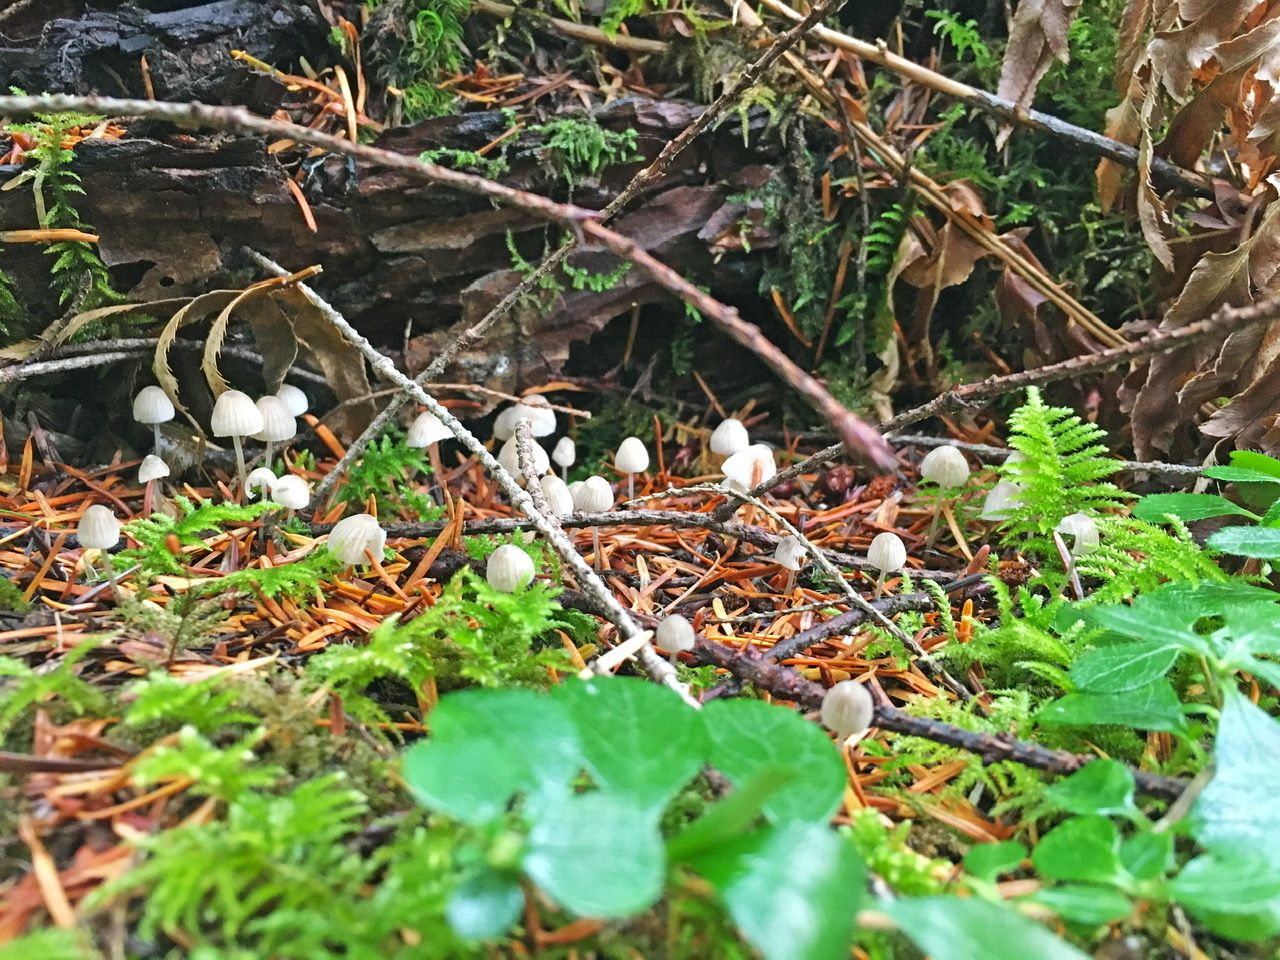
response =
{"points": [[790, 554], [1001, 501], [848, 710], [235, 415], [564, 454], [294, 399], [291, 492], [674, 636], [259, 483], [729, 437], [946, 467], [98, 529], [509, 457], [509, 569], [559, 499], [153, 407], [594, 496], [150, 470], [631, 458], [358, 539], [888, 554], [427, 431], [278, 424], [748, 468], [1083, 531]]}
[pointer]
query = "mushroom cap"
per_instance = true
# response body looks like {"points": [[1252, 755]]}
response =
{"points": [[847, 709], [749, 466], [152, 405], [509, 568], [559, 499], [632, 457], [945, 466], [504, 424], [1001, 500], [674, 635], [509, 457], [152, 468], [887, 552], [235, 415], [354, 536], [259, 482], [790, 553], [1083, 531], [294, 399], [98, 528], [594, 496], [278, 424], [565, 452], [729, 437], [426, 429], [542, 419], [291, 491]]}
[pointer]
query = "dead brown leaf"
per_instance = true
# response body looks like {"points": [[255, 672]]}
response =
{"points": [[1037, 37]]}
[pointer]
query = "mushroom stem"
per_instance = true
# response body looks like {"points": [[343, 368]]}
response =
{"points": [[155, 448], [271, 449], [437, 471], [235, 440], [791, 583], [879, 585], [631, 486], [595, 548], [564, 473], [933, 524], [148, 495]]}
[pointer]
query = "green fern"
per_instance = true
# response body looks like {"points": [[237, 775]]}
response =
{"points": [[193, 524], [27, 687], [163, 701], [50, 944], [1063, 470], [297, 579], [223, 772], [387, 472], [577, 147], [1135, 557]]}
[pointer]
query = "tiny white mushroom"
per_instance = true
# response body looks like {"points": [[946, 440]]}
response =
{"points": [[674, 636], [278, 425], [354, 539], [294, 399], [427, 431], [565, 454], [631, 458], [153, 407], [558, 496], [1001, 500], [946, 467], [594, 496], [888, 554], [748, 468], [235, 415], [259, 483], [509, 568], [542, 419], [291, 492], [98, 529], [150, 470], [504, 424], [1083, 532], [729, 438], [509, 457], [847, 709], [790, 554]]}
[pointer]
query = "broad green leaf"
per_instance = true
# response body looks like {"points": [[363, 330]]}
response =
{"points": [[1235, 474], [949, 928], [1262, 542], [1258, 495], [485, 905], [1147, 856], [1083, 848], [1237, 898], [597, 855], [732, 816], [1252, 460], [1237, 812], [1163, 618], [487, 745], [1103, 786], [48, 945], [747, 736], [793, 889], [1154, 707], [1254, 627], [638, 738], [989, 860], [1272, 517], [1187, 507], [1120, 667], [1084, 903]]}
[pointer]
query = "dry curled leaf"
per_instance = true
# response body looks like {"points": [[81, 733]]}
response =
{"points": [[1037, 37]]}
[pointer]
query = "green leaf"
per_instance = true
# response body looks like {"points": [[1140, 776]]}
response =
{"points": [[638, 738], [1154, 707], [486, 746], [48, 945], [949, 928], [1235, 474], [1262, 542], [1164, 618], [793, 889], [747, 736], [1102, 786], [485, 905], [1237, 812], [1235, 897], [1120, 667], [1187, 507], [1084, 903], [1272, 517], [1083, 848], [1255, 627], [597, 855], [989, 860], [1148, 855], [731, 817]]}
